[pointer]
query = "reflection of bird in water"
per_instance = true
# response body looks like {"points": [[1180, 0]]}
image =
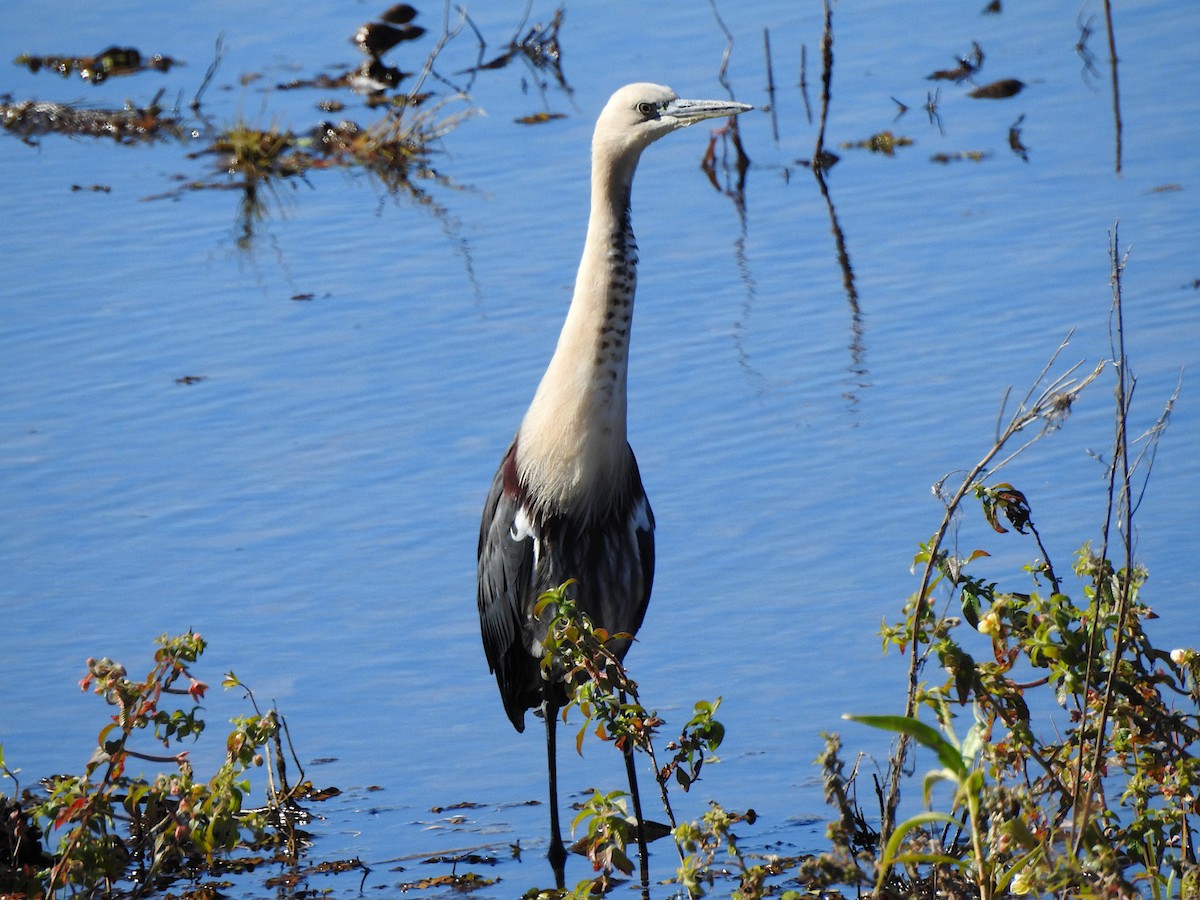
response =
{"points": [[567, 501]]}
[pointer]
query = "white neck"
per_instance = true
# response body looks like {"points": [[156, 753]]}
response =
{"points": [[572, 441]]}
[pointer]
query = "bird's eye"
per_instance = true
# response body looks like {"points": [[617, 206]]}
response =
{"points": [[646, 108]]}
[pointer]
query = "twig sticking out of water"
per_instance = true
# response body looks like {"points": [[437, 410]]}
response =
{"points": [[770, 82], [1045, 403], [1122, 504], [218, 55], [723, 72], [821, 158]]}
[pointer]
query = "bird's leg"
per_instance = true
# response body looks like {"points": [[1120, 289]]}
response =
{"points": [[631, 769], [557, 853]]}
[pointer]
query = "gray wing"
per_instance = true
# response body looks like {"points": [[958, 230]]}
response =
{"points": [[505, 595]]}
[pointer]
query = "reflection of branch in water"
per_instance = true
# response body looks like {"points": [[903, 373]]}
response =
{"points": [[822, 160], [722, 73], [538, 48], [730, 132], [931, 107], [740, 324], [858, 350], [1116, 90], [1086, 56], [803, 85], [736, 192]]}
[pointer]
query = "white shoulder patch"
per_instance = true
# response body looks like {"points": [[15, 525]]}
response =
{"points": [[521, 528], [639, 518]]}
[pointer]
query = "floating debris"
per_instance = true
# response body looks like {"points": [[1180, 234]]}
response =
{"points": [[969, 155], [31, 118], [96, 69], [462, 804], [967, 66], [884, 142], [539, 118], [998, 90], [464, 883], [94, 188], [190, 379], [257, 154]]}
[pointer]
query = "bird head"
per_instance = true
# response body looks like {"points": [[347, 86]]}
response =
{"points": [[637, 115]]}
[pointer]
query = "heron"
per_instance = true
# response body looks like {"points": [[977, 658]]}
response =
{"points": [[567, 501]]}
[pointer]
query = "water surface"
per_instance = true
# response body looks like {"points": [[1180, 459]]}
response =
{"points": [[312, 504]]}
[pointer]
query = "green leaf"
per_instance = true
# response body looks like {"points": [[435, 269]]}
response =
{"points": [[923, 734], [933, 777], [970, 607], [890, 853]]}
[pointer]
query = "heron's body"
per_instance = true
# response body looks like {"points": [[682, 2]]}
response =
{"points": [[567, 501]]}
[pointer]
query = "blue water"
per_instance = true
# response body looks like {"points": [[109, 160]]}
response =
{"points": [[312, 504]]}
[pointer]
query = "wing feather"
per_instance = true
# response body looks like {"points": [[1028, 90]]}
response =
{"points": [[506, 567]]}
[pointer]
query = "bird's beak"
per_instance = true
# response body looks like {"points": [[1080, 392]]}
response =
{"points": [[689, 111]]}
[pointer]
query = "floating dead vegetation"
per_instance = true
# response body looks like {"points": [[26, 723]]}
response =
{"points": [[464, 883], [884, 142], [419, 107], [106, 64], [256, 160], [30, 119]]}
